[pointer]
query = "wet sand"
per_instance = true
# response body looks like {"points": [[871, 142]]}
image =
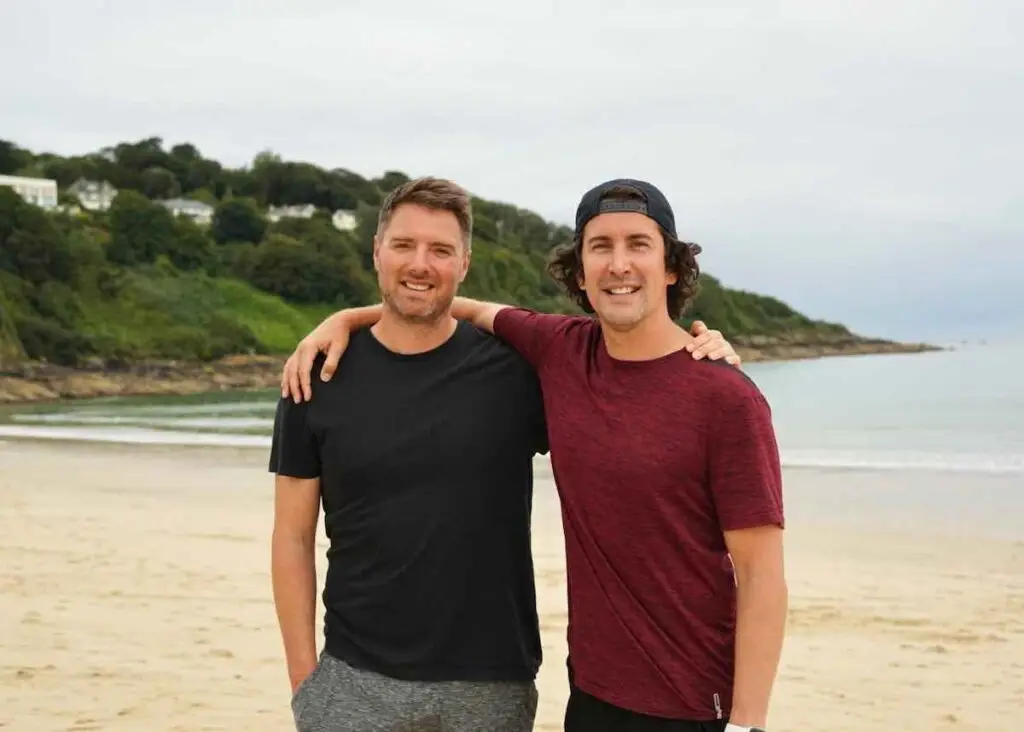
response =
{"points": [[135, 595]]}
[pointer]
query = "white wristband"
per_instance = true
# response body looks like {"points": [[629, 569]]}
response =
{"points": [[736, 728]]}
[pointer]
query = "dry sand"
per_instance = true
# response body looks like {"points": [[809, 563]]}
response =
{"points": [[135, 595]]}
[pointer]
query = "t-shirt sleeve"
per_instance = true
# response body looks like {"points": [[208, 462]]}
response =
{"points": [[529, 332], [744, 466], [294, 449]]}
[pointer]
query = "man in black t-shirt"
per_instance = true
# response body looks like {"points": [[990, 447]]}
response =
{"points": [[419, 449]]}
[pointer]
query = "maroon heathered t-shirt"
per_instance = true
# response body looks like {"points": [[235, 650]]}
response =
{"points": [[653, 461]]}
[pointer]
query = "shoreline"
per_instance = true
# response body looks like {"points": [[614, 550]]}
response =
{"points": [[857, 498], [40, 383]]}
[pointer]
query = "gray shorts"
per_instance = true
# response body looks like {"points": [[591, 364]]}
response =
{"points": [[339, 698]]}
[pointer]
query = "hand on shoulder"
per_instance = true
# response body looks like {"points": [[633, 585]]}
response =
{"points": [[712, 345]]}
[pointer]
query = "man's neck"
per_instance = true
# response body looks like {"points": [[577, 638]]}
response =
{"points": [[404, 337], [653, 338]]}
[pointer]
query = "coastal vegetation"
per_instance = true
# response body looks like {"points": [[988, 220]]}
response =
{"points": [[133, 281]]}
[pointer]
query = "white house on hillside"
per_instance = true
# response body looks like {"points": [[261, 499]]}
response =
{"points": [[93, 195], [344, 220], [40, 192], [198, 211], [303, 211]]}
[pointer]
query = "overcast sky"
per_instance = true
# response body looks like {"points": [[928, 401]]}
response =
{"points": [[861, 160]]}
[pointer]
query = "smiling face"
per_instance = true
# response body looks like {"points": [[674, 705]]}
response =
{"points": [[421, 258], [624, 274]]}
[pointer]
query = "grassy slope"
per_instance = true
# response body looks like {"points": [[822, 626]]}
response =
{"points": [[157, 310], [160, 314]]}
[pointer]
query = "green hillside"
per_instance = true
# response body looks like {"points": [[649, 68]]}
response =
{"points": [[136, 283]]}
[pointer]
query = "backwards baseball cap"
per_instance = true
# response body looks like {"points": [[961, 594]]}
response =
{"points": [[654, 205]]}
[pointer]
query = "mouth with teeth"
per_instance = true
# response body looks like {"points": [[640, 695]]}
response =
{"points": [[621, 290], [417, 286]]}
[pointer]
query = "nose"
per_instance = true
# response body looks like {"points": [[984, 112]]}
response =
{"points": [[619, 266], [419, 262]]}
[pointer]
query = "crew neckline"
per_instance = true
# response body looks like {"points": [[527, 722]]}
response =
{"points": [[435, 352]]}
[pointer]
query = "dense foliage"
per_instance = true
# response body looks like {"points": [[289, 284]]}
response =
{"points": [[134, 282]]}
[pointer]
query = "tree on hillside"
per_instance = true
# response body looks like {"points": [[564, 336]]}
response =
{"points": [[238, 219], [159, 183], [13, 158], [140, 230], [391, 180], [141, 155], [30, 246], [354, 283], [285, 267], [191, 248], [195, 173]]}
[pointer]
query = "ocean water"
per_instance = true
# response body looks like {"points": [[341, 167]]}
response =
{"points": [[960, 410]]}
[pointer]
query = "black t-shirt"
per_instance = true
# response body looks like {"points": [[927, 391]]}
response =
{"points": [[425, 467]]}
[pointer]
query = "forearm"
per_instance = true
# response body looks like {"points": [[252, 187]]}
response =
{"points": [[762, 604], [293, 574], [361, 317], [480, 314]]}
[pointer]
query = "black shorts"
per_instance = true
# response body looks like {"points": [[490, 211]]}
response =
{"points": [[586, 713]]}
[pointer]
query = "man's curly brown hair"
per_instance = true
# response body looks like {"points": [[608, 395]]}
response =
{"points": [[566, 264]]}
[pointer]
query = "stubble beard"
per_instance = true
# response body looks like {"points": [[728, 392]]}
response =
{"points": [[433, 314], [624, 322]]}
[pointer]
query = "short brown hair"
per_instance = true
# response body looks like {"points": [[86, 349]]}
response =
{"points": [[566, 264], [438, 194]]}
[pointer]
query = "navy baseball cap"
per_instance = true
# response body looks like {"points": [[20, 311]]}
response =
{"points": [[654, 205]]}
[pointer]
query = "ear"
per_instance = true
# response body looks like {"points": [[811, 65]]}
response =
{"points": [[671, 277], [581, 281], [464, 270], [376, 254]]}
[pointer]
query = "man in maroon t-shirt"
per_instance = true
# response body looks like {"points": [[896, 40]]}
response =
{"points": [[668, 473]]}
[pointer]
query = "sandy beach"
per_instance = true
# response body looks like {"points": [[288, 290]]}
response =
{"points": [[135, 595]]}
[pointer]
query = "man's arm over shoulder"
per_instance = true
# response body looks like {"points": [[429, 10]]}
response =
{"points": [[746, 483], [529, 332], [479, 313]]}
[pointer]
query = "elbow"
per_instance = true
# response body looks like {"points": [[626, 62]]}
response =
{"points": [[292, 561], [290, 545], [773, 583], [767, 583]]}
